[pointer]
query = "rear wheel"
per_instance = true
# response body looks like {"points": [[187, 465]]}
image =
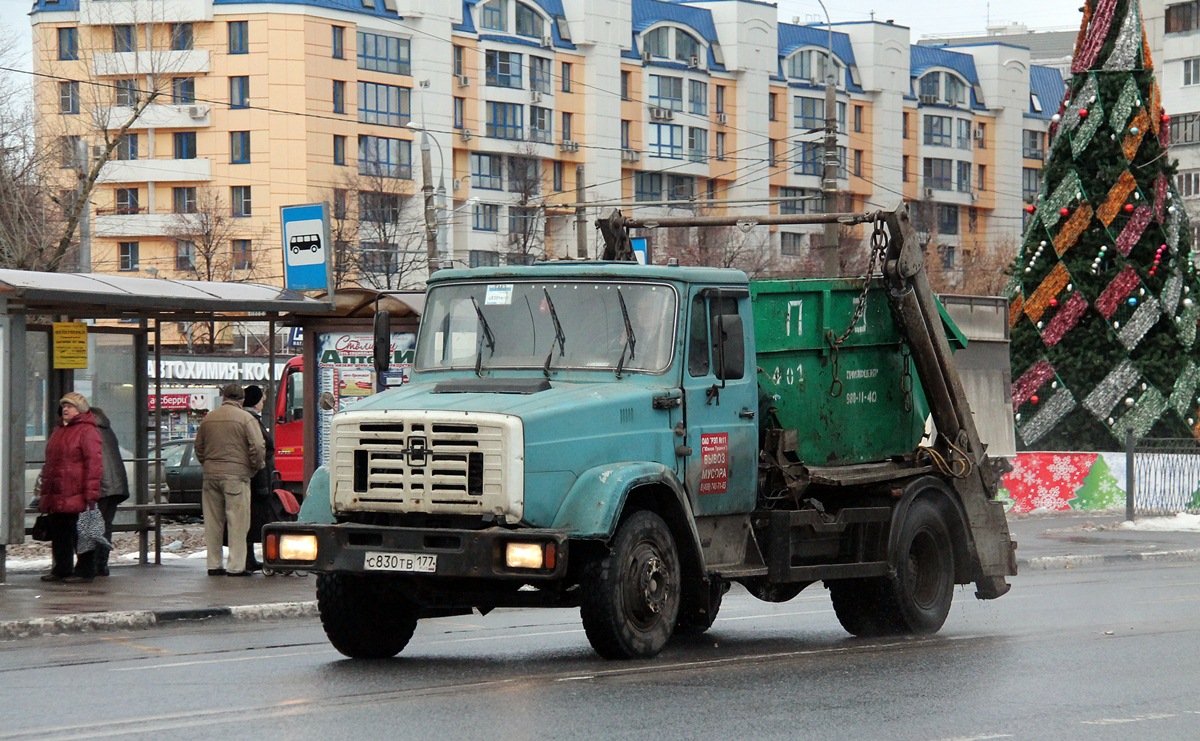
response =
{"points": [[923, 586], [631, 595], [364, 619], [861, 606]]}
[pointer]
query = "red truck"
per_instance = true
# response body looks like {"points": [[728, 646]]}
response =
{"points": [[289, 426]]}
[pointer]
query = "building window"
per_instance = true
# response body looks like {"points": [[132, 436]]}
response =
{"points": [[568, 119], [183, 200], [626, 129], [239, 196], [458, 61], [382, 157], [487, 171], [772, 106], [666, 92], [185, 255], [71, 151], [858, 119], [487, 217], [124, 40], [1185, 128], [339, 96], [483, 258], [807, 158], [939, 173], [387, 105], [697, 144], [239, 92], [539, 74], [772, 153], [964, 177], [809, 113], [558, 175], [182, 36], [68, 97], [947, 216], [239, 37], [185, 145], [931, 88], [939, 131], [524, 175], [493, 15], [791, 244], [1033, 144], [666, 141], [981, 136], [506, 121], [1031, 183], [956, 91], [964, 133], [239, 147], [528, 22], [242, 255], [379, 208], [341, 200], [981, 183], [1187, 183], [338, 41], [502, 69], [720, 152], [904, 128], [183, 91], [68, 43], [1183, 17], [127, 147], [719, 102], [541, 124], [127, 255], [905, 168], [647, 186], [565, 77], [127, 201], [625, 78], [380, 53], [858, 163], [698, 97], [656, 43], [339, 149]]}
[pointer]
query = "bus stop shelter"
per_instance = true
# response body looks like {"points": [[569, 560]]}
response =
{"points": [[121, 314]]}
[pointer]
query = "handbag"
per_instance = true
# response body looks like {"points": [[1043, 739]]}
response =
{"points": [[41, 528], [90, 529]]}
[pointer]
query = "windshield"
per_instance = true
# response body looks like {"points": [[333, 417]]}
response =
{"points": [[548, 326]]}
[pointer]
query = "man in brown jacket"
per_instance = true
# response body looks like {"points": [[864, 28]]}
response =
{"points": [[229, 444]]}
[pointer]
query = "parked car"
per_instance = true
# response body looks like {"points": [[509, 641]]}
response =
{"points": [[183, 473]]}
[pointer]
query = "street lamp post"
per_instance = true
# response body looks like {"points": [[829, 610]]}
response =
{"points": [[431, 218], [829, 174]]}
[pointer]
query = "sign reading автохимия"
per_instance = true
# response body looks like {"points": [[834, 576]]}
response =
{"points": [[306, 249]]}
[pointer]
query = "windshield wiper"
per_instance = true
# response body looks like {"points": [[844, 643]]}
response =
{"points": [[488, 337], [630, 340], [558, 335]]}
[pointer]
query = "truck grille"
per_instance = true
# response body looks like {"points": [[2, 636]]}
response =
{"points": [[423, 462]]}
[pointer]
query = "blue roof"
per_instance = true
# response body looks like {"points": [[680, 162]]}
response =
{"points": [[646, 13], [923, 58], [349, 6], [1048, 84], [41, 6], [793, 37], [552, 8]]}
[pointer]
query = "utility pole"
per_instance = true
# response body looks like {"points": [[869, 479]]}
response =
{"points": [[829, 185], [431, 228], [580, 214]]}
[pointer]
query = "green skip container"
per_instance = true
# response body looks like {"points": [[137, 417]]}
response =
{"points": [[862, 415]]}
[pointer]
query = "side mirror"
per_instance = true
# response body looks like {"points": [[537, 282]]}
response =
{"points": [[382, 355], [730, 346]]}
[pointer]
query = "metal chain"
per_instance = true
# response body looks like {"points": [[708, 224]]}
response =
{"points": [[879, 243]]}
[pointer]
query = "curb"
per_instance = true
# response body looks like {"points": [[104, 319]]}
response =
{"points": [[1047, 563], [144, 619]]}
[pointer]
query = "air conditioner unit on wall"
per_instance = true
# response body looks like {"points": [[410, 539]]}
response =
{"points": [[198, 111], [630, 155], [978, 134], [535, 96], [661, 114], [455, 184], [547, 42], [464, 81], [645, 56], [929, 192], [928, 99], [694, 61], [465, 135], [568, 145], [722, 118]]}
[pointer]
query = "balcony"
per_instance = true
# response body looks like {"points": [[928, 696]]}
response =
{"points": [[160, 62], [156, 171], [134, 225], [111, 12], [162, 116]]}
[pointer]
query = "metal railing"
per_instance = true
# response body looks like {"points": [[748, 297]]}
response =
{"points": [[1162, 476]]}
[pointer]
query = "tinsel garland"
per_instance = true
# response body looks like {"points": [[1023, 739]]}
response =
{"points": [[1133, 230], [1116, 198], [1124, 106], [1065, 320], [1109, 391], [1048, 212], [1036, 304], [1171, 292], [1185, 389], [1083, 29], [1134, 140], [1051, 413], [1085, 55], [1030, 381], [1187, 325], [1124, 54], [1116, 292], [1016, 308], [1145, 317], [1160, 196], [1082, 99], [1069, 234], [1174, 227], [1145, 413], [1082, 138]]}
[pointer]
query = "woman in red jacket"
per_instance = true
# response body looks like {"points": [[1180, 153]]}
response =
{"points": [[70, 484]]}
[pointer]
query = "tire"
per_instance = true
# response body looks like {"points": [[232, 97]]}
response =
{"points": [[364, 619], [631, 594], [698, 622], [860, 606]]}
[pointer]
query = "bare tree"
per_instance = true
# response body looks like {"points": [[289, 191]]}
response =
{"points": [[526, 240], [343, 232], [391, 233]]}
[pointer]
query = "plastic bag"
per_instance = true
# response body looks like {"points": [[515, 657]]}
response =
{"points": [[90, 528], [41, 528]]}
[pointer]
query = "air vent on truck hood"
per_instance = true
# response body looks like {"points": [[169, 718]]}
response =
{"points": [[492, 386]]}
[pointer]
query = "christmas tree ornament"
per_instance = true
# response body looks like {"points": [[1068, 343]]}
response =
{"points": [[1034, 399]]}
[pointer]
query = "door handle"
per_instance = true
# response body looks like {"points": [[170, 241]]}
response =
{"points": [[746, 414]]}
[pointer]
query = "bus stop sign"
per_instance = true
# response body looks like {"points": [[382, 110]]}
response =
{"points": [[306, 249]]}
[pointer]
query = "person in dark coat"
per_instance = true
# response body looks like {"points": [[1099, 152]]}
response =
{"points": [[261, 489], [71, 479], [114, 484]]}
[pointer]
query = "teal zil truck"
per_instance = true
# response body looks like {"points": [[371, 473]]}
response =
{"points": [[632, 439]]}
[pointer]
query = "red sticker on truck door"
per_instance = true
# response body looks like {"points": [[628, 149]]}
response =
{"points": [[714, 463]]}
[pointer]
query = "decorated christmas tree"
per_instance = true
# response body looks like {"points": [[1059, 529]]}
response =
{"points": [[1103, 309]]}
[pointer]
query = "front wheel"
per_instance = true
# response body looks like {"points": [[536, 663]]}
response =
{"points": [[631, 594], [364, 619]]}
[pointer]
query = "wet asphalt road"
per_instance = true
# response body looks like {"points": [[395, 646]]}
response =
{"points": [[1095, 654]]}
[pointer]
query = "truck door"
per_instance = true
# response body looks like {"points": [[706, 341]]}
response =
{"points": [[720, 430]]}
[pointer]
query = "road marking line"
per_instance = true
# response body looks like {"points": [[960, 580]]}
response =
{"points": [[230, 660], [1134, 719], [132, 644]]}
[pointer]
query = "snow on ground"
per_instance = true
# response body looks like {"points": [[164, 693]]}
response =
{"points": [[1180, 523]]}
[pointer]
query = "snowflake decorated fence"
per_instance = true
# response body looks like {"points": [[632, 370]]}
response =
{"points": [[1166, 476]]}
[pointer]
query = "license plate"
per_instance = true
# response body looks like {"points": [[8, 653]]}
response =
{"points": [[417, 562]]}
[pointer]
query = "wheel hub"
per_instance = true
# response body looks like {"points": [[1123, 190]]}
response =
{"points": [[652, 583]]}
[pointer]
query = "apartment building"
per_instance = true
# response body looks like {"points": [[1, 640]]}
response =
{"points": [[525, 109]]}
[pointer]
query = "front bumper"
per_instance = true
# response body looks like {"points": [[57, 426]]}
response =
{"points": [[460, 553]]}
